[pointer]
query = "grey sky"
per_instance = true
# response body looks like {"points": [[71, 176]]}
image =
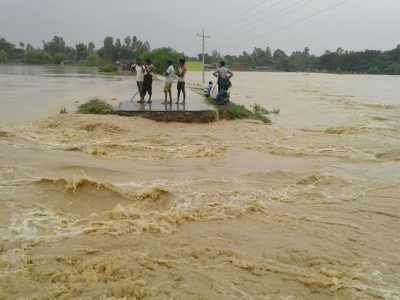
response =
{"points": [[353, 25]]}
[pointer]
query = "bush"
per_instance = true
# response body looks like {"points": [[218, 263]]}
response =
{"points": [[232, 111], [258, 109], [3, 57], [94, 106], [159, 58], [374, 70], [38, 57], [91, 60], [59, 58], [109, 68], [393, 69]]}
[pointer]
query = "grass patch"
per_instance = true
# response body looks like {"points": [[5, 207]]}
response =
{"points": [[258, 109], [194, 66], [109, 69], [94, 106], [232, 111]]}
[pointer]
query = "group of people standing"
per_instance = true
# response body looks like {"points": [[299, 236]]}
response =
{"points": [[144, 80]]}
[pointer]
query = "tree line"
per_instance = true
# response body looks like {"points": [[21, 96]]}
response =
{"points": [[57, 51], [339, 61]]}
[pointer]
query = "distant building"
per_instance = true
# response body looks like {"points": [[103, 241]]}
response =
{"points": [[239, 67]]}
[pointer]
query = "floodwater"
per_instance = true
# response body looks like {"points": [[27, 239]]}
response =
{"points": [[108, 207]]}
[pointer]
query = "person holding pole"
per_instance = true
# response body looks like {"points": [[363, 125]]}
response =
{"points": [[138, 70]]}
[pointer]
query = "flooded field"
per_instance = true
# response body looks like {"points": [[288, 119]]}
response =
{"points": [[108, 207]]}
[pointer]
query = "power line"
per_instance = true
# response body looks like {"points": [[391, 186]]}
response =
{"points": [[294, 23], [239, 16], [256, 13], [294, 7]]}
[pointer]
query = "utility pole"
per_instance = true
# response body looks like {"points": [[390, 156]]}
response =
{"points": [[203, 36]]}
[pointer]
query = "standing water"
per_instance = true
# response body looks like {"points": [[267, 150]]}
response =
{"points": [[100, 206]]}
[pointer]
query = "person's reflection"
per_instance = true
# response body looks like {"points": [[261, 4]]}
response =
{"points": [[180, 106], [168, 106]]}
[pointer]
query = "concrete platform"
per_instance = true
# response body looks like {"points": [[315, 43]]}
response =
{"points": [[195, 110]]}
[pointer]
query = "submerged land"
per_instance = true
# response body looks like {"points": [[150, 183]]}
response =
{"points": [[104, 206]]}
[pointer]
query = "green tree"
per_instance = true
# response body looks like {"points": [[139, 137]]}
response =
{"points": [[108, 49], [82, 51], [59, 58], [91, 60], [328, 61], [128, 42], [207, 58], [215, 56], [160, 56], [262, 57], [9, 49], [393, 69], [279, 54], [57, 45], [3, 57], [117, 50], [38, 57], [139, 47], [91, 47]]}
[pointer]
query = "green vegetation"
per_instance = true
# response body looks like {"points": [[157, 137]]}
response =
{"points": [[3, 57], [258, 109], [232, 111], [113, 51], [132, 48], [109, 69], [89, 61], [340, 61], [160, 56], [59, 58], [94, 106], [82, 54], [194, 66], [38, 57]]}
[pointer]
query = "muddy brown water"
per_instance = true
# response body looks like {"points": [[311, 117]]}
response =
{"points": [[108, 207]]}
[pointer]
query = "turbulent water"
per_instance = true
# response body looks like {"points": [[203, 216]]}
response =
{"points": [[108, 207]]}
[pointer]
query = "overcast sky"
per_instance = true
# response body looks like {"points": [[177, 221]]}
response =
{"points": [[234, 25]]}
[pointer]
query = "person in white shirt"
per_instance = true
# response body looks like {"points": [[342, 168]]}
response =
{"points": [[169, 79], [138, 70]]}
